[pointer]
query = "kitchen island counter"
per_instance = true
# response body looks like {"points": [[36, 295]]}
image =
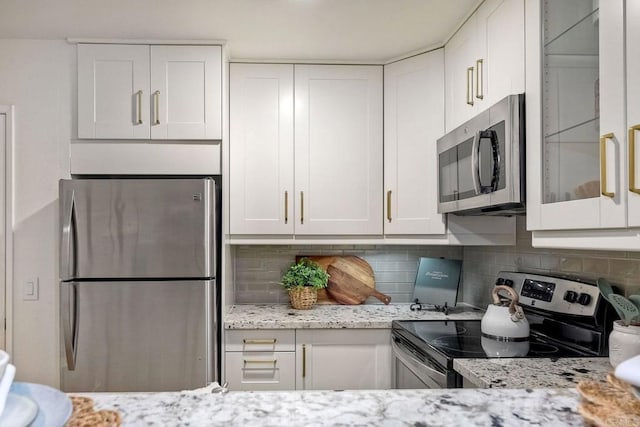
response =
{"points": [[374, 316], [532, 373], [475, 407]]}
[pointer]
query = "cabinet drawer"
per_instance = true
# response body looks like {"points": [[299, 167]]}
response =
{"points": [[260, 370], [260, 340]]}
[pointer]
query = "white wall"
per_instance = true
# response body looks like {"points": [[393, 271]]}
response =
{"points": [[37, 77]]}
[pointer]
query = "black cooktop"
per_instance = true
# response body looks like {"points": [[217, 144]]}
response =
{"points": [[446, 340]]}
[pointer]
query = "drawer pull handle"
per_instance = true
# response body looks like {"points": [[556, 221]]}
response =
{"points": [[255, 362], [254, 341]]}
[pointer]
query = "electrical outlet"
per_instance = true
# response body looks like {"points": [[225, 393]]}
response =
{"points": [[31, 289]]}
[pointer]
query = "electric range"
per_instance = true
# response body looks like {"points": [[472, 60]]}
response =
{"points": [[567, 317]]}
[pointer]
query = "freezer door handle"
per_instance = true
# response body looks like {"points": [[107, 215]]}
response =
{"points": [[69, 313], [67, 252]]}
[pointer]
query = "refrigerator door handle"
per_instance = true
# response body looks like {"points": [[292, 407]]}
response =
{"points": [[69, 312], [68, 263]]}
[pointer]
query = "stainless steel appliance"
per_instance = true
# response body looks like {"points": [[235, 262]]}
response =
{"points": [[481, 164], [138, 284], [567, 319]]}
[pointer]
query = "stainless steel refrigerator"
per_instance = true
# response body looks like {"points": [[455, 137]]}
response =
{"points": [[137, 284]]}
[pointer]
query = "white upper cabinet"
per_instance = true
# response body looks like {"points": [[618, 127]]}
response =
{"points": [[337, 164], [576, 128], [261, 149], [459, 57], [413, 121], [186, 92], [143, 92], [633, 111], [338, 149], [484, 60], [500, 67], [113, 91]]}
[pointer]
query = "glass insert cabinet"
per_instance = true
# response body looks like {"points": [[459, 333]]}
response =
{"points": [[576, 139], [570, 101]]}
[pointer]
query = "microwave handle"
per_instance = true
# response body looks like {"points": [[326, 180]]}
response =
{"points": [[475, 156], [475, 164], [495, 152]]}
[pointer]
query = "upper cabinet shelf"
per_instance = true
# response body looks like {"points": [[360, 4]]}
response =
{"points": [[149, 92], [571, 37]]}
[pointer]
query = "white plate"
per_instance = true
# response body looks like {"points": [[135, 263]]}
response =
{"points": [[55, 406], [19, 411]]}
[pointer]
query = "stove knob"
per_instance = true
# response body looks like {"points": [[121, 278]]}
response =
{"points": [[499, 281], [584, 299], [571, 296], [509, 283]]}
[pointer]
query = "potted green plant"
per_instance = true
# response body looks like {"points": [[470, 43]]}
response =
{"points": [[302, 280], [624, 340]]}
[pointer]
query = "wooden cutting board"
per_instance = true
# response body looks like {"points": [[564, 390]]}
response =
{"points": [[351, 279]]}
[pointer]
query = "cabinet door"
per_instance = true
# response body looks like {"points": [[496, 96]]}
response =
{"points": [[338, 149], [500, 61], [633, 110], [354, 359], [113, 91], [261, 149], [575, 115], [413, 121], [460, 75], [186, 92]]}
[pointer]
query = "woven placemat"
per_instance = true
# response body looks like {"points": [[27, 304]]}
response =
{"points": [[84, 415], [610, 404]]}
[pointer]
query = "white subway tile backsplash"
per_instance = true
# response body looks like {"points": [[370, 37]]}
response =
{"points": [[259, 268], [621, 268]]}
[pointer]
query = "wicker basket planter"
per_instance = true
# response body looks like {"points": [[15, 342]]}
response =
{"points": [[303, 298]]}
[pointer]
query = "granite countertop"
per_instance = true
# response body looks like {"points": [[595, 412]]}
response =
{"points": [[468, 407], [532, 373], [282, 316]]}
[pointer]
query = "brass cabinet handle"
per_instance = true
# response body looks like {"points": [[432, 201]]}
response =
{"points": [[632, 159], [254, 362], [389, 205], [304, 360], [258, 341], [479, 77], [603, 165], [286, 207], [470, 85], [156, 107], [139, 107], [302, 207]]}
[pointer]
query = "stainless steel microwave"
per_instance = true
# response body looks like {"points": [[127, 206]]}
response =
{"points": [[481, 164]]}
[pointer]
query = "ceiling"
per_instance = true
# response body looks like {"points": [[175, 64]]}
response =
{"points": [[332, 30]]}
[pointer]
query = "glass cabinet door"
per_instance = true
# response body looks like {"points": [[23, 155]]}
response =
{"points": [[570, 100]]}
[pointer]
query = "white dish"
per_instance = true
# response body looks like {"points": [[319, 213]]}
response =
{"points": [[19, 411], [55, 406], [4, 361]]}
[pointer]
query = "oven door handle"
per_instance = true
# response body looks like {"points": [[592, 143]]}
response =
{"points": [[429, 374]]}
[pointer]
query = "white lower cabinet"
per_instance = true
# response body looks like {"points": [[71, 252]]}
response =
{"points": [[260, 359], [343, 359], [308, 359]]}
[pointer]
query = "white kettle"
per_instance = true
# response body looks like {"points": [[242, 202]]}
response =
{"points": [[505, 322]]}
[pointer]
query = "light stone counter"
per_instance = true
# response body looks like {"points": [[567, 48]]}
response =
{"points": [[281, 316], [532, 373], [459, 407]]}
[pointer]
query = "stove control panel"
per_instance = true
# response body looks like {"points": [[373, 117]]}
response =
{"points": [[552, 293]]}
